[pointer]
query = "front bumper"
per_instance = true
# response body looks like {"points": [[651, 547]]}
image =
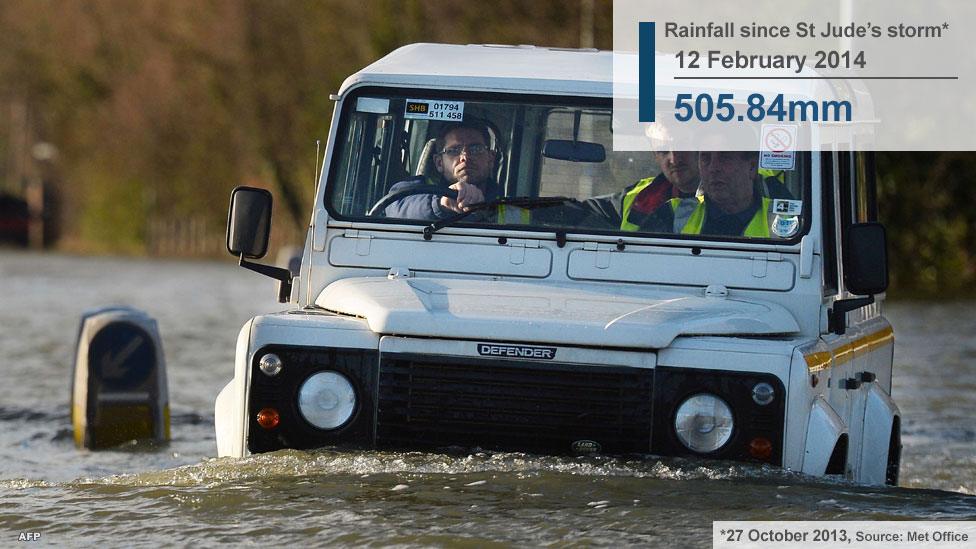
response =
{"points": [[423, 401]]}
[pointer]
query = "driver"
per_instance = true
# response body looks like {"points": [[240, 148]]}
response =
{"points": [[465, 162]]}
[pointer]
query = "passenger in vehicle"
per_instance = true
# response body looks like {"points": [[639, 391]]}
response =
{"points": [[733, 203], [771, 184], [465, 163], [677, 184], [628, 208]]}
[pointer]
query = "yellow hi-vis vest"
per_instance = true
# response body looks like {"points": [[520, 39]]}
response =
{"points": [[682, 209], [758, 226], [629, 201], [513, 215], [780, 175]]}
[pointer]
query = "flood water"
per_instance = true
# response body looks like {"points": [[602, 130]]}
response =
{"points": [[180, 494]]}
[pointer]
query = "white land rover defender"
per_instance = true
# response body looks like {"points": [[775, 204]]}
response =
{"points": [[550, 317]]}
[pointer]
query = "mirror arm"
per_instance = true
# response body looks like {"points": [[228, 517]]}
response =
{"points": [[837, 323], [277, 273]]}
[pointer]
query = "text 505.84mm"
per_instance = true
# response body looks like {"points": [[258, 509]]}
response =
{"points": [[704, 108]]}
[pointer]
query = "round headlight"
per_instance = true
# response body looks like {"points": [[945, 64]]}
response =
{"points": [[270, 364], [763, 393], [326, 400], [703, 423]]}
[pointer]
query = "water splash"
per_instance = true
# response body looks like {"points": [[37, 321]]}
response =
{"points": [[296, 464]]}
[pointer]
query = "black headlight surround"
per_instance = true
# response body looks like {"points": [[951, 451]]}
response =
{"points": [[280, 392], [673, 385]]}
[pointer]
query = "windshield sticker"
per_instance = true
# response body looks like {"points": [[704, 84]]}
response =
{"points": [[787, 207], [785, 226], [778, 147], [374, 105], [422, 109]]}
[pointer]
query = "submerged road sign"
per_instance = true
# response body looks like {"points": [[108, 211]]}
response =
{"points": [[119, 389]]}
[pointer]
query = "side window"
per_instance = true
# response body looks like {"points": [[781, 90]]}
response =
{"points": [[858, 197], [847, 198], [827, 169], [386, 167], [366, 173], [349, 167], [865, 192], [859, 201]]}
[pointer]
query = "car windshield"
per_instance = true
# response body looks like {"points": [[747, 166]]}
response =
{"points": [[422, 157]]}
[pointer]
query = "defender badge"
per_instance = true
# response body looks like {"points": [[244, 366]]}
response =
{"points": [[516, 351]]}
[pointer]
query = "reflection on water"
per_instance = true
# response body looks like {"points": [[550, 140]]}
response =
{"points": [[178, 493], [423, 499], [934, 384]]}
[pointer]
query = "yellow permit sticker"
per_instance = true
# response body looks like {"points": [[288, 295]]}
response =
{"points": [[424, 109]]}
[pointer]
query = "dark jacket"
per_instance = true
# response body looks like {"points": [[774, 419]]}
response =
{"points": [[606, 212], [610, 207], [716, 222], [426, 206]]}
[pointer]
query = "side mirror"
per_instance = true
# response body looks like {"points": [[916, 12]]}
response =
{"points": [[866, 259], [865, 271], [249, 222], [248, 229]]}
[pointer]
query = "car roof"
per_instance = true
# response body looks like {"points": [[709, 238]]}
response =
{"points": [[526, 69], [572, 72], [534, 69]]}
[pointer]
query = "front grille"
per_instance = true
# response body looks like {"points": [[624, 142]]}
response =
{"points": [[527, 406]]}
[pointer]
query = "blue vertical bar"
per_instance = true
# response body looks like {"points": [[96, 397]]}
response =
{"points": [[645, 76]]}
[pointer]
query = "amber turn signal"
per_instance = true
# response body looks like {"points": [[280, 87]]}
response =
{"points": [[760, 448], [268, 418]]}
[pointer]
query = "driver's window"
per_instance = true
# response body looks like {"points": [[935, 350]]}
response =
{"points": [[363, 173]]}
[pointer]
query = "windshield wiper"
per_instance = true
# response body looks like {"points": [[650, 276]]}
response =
{"points": [[527, 202]]}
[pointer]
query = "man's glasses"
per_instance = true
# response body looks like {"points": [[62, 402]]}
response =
{"points": [[475, 149]]}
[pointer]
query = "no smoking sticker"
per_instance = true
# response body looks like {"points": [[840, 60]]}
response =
{"points": [[778, 147]]}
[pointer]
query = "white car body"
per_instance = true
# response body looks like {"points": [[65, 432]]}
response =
{"points": [[671, 313]]}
